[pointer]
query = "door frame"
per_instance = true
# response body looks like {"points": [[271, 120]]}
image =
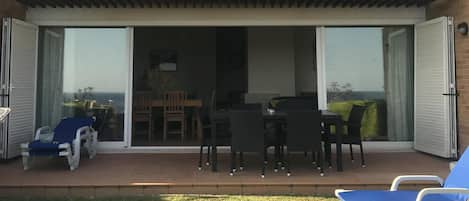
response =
{"points": [[392, 146], [126, 141]]}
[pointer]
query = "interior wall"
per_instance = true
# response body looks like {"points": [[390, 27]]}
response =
{"points": [[305, 60], [271, 61], [231, 73], [196, 59]]}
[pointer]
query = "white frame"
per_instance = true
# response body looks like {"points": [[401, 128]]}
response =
{"points": [[322, 91], [96, 17], [128, 101]]}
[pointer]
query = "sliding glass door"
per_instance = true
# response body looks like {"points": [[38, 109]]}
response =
{"points": [[84, 72], [371, 66]]}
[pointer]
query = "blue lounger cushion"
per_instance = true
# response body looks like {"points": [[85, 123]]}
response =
{"points": [[458, 178], [383, 195], [43, 148], [459, 175], [65, 132], [67, 128]]}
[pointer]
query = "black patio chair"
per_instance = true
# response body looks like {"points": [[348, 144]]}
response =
{"points": [[223, 137], [247, 130], [353, 136], [304, 135]]}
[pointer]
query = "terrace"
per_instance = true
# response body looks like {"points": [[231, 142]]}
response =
{"points": [[152, 174]]}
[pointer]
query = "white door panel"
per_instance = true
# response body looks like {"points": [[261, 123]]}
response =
{"points": [[434, 88], [19, 82]]}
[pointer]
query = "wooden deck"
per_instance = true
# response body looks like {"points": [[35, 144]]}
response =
{"points": [[149, 174]]}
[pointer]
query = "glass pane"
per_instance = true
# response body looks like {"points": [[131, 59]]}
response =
{"points": [[87, 78], [372, 67]]}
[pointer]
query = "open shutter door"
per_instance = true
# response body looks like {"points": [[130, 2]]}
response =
{"points": [[435, 95], [18, 83]]}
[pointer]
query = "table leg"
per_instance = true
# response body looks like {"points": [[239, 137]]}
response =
{"points": [[214, 147], [339, 127]]}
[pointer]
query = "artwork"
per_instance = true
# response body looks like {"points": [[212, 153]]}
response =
{"points": [[163, 60]]}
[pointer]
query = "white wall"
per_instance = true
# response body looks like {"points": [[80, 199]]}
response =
{"points": [[305, 60], [224, 16], [271, 62]]}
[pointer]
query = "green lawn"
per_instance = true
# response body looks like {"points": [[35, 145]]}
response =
{"points": [[184, 198]]}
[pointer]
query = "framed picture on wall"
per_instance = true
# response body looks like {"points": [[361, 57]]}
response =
{"points": [[163, 60]]}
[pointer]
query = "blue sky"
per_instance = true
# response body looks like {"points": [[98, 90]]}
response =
{"points": [[355, 56], [96, 57]]}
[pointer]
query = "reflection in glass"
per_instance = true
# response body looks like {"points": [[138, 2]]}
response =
{"points": [[83, 73], [372, 67]]}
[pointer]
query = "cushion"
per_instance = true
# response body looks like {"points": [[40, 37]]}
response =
{"points": [[67, 128], [381, 195], [43, 148], [458, 177]]}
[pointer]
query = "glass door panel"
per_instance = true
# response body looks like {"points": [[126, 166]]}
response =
{"points": [[83, 72], [372, 66]]}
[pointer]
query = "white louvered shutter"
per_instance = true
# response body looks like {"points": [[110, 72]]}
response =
{"points": [[435, 99]]}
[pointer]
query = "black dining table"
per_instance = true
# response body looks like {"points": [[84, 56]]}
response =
{"points": [[327, 118]]}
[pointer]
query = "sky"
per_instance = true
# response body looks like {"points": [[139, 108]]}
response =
{"points": [[355, 56], [97, 58]]}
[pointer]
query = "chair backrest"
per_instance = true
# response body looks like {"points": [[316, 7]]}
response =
{"points": [[355, 120], [248, 106], [459, 176], [142, 101], [174, 101], [262, 98], [247, 130], [303, 130], [294, 104], [66, 130]]}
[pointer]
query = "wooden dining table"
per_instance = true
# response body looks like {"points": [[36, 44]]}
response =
{"points": [[196, 104], [327, 117]]}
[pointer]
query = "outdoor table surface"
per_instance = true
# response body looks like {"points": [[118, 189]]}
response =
{"points": [[327, 117]]}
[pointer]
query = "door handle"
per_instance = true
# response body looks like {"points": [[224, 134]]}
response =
{"points": [[451, 94]]}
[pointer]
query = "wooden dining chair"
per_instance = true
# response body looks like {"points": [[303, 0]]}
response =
{"points": [[142, 111], [174, 112]]}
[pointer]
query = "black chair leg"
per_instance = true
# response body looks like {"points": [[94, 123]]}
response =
{"points": [[306, 154], [208, 156], [287, 163], [277, 158], [200, 157], [241, 161], [282, 162], [314, 157], [233, 161], [327, 148], [263, 167], [321, 163], [266, 160], [362, 155], [351, 152]]}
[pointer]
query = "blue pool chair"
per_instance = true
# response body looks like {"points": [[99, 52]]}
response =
{"points": [[64, 141], [454, 188]]}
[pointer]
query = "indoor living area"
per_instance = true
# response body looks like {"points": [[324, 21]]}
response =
{"points": [[193, 69], [157, 86], [179, 73]]}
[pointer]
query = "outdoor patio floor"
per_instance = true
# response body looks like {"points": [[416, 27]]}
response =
{"points": [[178, 173]]}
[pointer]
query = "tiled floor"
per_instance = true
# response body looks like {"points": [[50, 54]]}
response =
{"points": [[177, 173]]}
